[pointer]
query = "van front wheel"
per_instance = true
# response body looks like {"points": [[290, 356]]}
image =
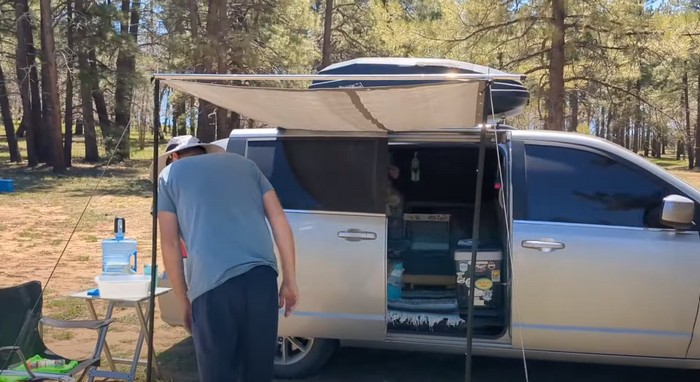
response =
{"points": [[301, 357]]}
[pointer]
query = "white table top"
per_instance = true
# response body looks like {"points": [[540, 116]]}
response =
{"points": [[84, 295]]}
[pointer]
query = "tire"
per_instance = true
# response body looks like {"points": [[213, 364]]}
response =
{"points": [[298, 364]]}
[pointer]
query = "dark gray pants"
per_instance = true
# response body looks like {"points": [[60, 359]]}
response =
{"points": [[234, 328]]}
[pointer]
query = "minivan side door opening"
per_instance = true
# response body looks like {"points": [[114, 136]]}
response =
{"points": [[429, 240]]}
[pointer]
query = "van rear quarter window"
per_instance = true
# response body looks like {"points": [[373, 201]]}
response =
{"points": [[325, 174], [579, 186]]}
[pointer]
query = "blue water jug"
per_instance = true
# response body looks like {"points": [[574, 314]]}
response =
{"points": [[118, 253], [394, 283]]}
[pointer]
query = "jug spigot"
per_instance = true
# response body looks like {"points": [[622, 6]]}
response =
{"points": [[119, 227]]}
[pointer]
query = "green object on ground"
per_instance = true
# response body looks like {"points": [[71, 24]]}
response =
{"points": [[63, 369]]}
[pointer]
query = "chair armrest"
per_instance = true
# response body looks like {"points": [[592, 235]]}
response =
{"points": [[27, 370], [76, 324]]}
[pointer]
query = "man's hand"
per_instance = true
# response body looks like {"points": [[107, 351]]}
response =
{"points": [[187, 315], [289, 296]]}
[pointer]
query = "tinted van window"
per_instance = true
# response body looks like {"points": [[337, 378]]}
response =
{"points": [[579, 186], [345, 175]]}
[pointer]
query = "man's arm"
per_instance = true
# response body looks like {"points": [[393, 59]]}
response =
{"points": [[172, 259], [282, 233]]}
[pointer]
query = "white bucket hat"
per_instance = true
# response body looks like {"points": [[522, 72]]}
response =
{"points": [[183, 142]]}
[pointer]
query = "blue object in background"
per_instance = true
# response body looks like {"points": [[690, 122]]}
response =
{"points": [[147, 269], [7, 185]]}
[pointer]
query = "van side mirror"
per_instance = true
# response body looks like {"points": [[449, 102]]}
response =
{"points": [[678, 212]]}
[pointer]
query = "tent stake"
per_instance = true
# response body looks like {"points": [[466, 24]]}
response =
{"points": [[154, 231], [475, 248]]}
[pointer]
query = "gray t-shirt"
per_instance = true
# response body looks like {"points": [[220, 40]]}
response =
{"points": [[218, 200]]}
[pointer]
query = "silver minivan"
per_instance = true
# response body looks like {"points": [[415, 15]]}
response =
{"points": [[587, 251]]}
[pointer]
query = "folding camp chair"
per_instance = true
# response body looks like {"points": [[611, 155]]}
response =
{"points": [[20, 337]]}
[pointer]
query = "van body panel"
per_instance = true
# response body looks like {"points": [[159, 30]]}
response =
{"points": [[604, 288], [612, 290], [342, 283]]}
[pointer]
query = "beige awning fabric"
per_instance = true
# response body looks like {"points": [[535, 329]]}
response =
{"points": [[400, 108]]}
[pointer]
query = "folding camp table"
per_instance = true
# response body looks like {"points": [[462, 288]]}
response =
{"points": [[135, 303]]}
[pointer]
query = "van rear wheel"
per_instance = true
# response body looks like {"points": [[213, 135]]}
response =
{"points": [[300, 357]]}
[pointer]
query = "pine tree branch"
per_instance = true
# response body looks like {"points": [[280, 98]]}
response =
{"points": [[493, 27], [527, 57], [621, 90]]}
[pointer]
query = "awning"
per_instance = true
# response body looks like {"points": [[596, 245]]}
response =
{"points": [[450, 104]]}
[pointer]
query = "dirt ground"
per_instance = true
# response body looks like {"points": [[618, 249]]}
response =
{"points": [[40, 220]]}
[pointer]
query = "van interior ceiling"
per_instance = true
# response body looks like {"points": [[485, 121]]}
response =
{"points": [[429, 241]]}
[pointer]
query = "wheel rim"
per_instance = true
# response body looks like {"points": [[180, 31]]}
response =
{"points": [[292, 349]]}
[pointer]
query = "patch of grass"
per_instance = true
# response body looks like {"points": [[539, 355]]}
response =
{"points": [[66, 308], [29, 234], [83, 258], [62, 335], [129, 319], [56, 241], [670, 163], [91, 238], [2, 227]]}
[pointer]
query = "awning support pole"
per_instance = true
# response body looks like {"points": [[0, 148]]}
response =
{"points": [[475, 248], [154, 230]]}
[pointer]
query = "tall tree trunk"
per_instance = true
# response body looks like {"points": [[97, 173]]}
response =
{"points": [[15, 155], [88, 79], [647, 140], [44, 147], [38, 118], [600, 131], [21, 130], [688, 136], [68, 119], [555, 117], [206, 129], [179, 117], [609, 124], [697, 125], [124, 90], [327, 28], [99, 98], [664, 143], [573, 100], [53, 108], [222, 124], [234, 122], [589, 116], [192, 115], [24, 69], [637, 118]]}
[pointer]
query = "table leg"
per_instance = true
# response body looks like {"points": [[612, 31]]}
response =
{"points": [[145, 331], [93, 315]]}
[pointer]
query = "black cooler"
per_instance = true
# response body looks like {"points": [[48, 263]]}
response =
{"points": [[488, 290]]}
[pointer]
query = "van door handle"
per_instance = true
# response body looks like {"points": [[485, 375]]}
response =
{"points": [[357, 235], [543, 245]]}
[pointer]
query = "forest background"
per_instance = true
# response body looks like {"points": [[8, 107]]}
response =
{"points": [[624, 70]]}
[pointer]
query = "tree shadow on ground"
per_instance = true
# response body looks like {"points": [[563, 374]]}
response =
{"points": [[178, 363], [123, 179]]}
